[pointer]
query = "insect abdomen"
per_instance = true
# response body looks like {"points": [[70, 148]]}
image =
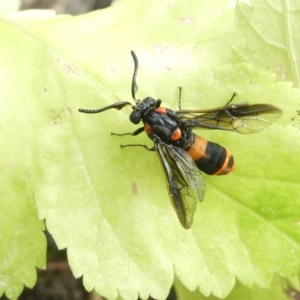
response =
{"points": [[211, 158]]}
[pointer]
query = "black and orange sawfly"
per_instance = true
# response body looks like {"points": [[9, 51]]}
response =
{"points": [[182, 153]]}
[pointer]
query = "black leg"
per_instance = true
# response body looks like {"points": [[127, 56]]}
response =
{"points": [[233, 95], [138, 145], [134, 133]]}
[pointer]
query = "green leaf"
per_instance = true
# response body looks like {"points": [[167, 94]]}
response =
{"points": [[279, 290], [109, 206], [9, 6], [23, 244], [21, 238], [270, 32]]}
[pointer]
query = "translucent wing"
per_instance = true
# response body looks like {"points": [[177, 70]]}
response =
{"points": [[184, 180], [240, 117]]}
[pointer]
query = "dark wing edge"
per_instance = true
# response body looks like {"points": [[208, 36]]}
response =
{"points": [[240, 117], [184, 181]]}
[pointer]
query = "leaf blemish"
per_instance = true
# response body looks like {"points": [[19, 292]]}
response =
{"points": [[185, 20], [134, 188]]}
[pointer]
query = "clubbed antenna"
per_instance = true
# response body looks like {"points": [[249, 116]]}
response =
{"points": [[134, 86]]}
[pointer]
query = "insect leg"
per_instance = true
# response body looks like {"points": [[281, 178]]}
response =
{"points": [[233, 95], [134, 133], [138, 145], [224, 108]]}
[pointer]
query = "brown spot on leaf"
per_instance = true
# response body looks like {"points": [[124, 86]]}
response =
{"points": [[134, 190]]}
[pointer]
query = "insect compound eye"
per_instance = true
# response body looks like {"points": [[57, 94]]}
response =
{"points": [[135, 117]]}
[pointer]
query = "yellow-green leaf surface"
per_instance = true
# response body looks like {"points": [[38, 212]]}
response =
{"points": [[279, 290], [270, 30], [110, 206]]}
